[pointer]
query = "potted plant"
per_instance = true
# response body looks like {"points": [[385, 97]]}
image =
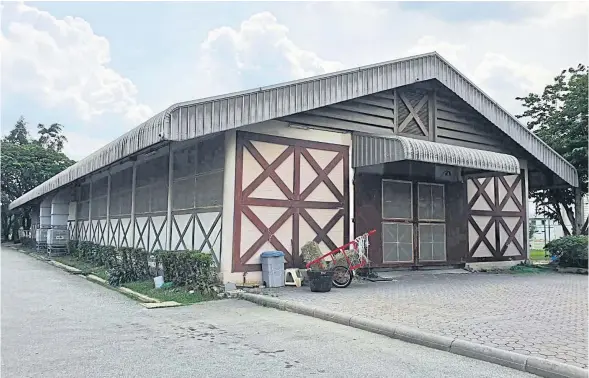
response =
{"points": [[320, 274]]}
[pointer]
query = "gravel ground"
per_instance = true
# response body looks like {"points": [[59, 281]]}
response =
{"points": [[59, 325]]}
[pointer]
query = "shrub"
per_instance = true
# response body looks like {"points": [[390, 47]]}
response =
{"points": [[28, 242], [125, 265], [72, 247], [571, 251], [189, 268]]}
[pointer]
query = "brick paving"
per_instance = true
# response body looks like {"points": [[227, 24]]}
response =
{"points": [[542, 314]]}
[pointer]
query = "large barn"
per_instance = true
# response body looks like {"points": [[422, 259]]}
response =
{"points": [[410, 148]]}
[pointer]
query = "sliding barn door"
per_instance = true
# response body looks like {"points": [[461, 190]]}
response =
{"points": [[288, 192]]}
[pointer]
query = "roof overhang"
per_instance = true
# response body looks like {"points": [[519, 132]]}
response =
{"points": [[375, 149], [193, 119]]}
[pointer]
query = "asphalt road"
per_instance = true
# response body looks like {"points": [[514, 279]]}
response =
{"points": [[59, 325]]}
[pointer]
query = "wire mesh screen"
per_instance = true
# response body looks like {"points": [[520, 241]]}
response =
{"points": [[98, 207], [397, 200], [121, 181], [185, 162], [198, 175], [100, 187], [152, 171], [82, 210], [151, 186], [432, 242], [121, 185], [84, 193], [397, 242], [431, 202]]}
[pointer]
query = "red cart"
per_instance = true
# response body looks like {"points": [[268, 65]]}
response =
{"points": [[343, 274]]}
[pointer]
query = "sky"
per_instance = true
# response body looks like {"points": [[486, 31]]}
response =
{"points": [[102, 68]]}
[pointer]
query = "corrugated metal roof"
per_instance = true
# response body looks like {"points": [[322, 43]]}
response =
{"points": [[372, 149], [196, 118]]}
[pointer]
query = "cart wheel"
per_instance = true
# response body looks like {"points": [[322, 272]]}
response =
{"points": [[342, 277]]}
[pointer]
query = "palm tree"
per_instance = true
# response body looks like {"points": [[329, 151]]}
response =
{"points": [[51, 137]]}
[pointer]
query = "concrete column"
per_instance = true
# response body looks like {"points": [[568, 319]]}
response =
{"points": [[45, 212], [58, 234], [60, 209], [34, 220], [132, 227], [170, 198], [44, 223]]}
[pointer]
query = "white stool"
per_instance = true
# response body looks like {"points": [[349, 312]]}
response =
{"points": [[292, 277]]}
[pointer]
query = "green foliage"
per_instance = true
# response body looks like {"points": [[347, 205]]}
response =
{"points": [[191, 269], [559, 116], [26, 163], [537, 254], [19, 134], [51, 137], [127, 265], [570, 250], [532, 228], [123, 264], [28, 242]]}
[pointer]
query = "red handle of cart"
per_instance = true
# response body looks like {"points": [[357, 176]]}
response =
{"points": [[342, 248]]}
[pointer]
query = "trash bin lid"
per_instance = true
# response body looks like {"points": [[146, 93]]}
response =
{"points": [[272, 254]]}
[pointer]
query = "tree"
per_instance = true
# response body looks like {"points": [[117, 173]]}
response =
{"points": [[19, 134], [559, 116], [51, 137], [26, 163]]}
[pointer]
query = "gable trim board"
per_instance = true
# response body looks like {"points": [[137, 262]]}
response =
{"points": [[197, 118]]}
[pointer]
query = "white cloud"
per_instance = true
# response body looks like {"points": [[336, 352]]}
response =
{"points": [[63, 62], [430, 43], [80, 145], [506, 58], [259, 43]]}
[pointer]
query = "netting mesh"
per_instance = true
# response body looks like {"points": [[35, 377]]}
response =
{"points": [[198, 175]]}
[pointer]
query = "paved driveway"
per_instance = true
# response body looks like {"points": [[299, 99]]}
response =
{"points": [[58, 325], [541, 314]]}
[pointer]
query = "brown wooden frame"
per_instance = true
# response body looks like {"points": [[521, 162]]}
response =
{"points": [[497, 213], [295, 203]]}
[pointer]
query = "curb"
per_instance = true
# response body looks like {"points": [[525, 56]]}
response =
{"points": [[139, 296], [161, 304], [65, 267], [121, 289], [538, 366]]}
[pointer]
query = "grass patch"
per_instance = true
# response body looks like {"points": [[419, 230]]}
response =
{"points": [[176, 294], [530, 269], [85, 267], [538, 255]]}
